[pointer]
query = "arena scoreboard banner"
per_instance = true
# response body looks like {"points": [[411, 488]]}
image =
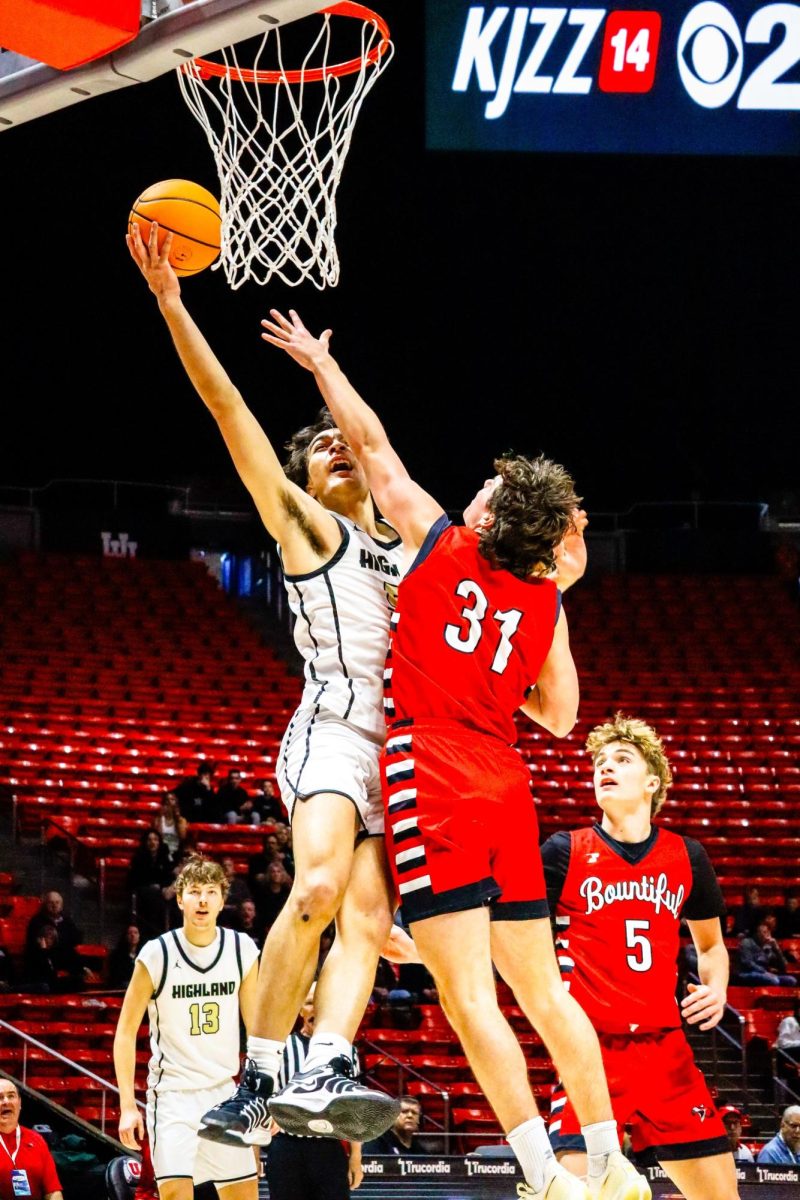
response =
{"points": [[676, 78]]}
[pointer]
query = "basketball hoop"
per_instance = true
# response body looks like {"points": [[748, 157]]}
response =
{"points": [[279, 153]]}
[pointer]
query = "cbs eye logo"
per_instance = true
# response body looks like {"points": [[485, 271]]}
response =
{"points": [[711, 57], [710, 54]]}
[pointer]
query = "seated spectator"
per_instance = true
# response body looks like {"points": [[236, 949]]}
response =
{"points": [[762, 962], [27, 1168], [195, 794], [403, 1138], [788, 1041], [283, 837], [122, 958], [789, 917], [748, 916], [732, 1120], [273, 893], [418, 981], [237, 888], [166, 822], [187, 842], [270, 804], [258, 863], [785, 1146], [245, 919], [6, 969], [51, 912], [230, 798], [48, 968], [150, 874]]}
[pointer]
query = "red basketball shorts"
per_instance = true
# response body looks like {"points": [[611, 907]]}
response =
{"points": [[657, 1093], [461, 828]]}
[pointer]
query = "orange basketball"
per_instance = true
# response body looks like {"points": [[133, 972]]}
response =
{"points": [[190, 213]]}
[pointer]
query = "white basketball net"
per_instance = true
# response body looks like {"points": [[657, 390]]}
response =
{"points": [[279, 149]]}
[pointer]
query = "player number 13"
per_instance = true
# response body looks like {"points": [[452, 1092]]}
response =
{"points": [[465, 639]]}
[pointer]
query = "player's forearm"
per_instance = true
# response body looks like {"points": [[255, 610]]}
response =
{"points": [[208, 376], [354, 417], [125, 1068], [713, 968]]}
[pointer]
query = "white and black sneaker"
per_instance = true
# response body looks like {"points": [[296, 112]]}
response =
{"points": [[328, 1102], [243, 1119]]}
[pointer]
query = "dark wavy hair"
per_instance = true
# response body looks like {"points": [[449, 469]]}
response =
{"points": [[533, 510], [296, 465]]}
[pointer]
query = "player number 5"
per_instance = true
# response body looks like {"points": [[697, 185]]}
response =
{"points": [[635, 939], [466, 640]]}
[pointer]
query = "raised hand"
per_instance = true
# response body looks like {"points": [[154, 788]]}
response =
{"points": [[153, 263], [291, 335]]}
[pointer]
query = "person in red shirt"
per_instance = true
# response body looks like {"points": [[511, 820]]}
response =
{"points": [[619, 890], [478, 633], [26, 1164]]}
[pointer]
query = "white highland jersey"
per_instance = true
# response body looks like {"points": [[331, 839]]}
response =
{"points": [[194, 1009], [341, 628]]}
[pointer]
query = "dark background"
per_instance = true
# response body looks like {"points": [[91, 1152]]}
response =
{"points": [[634, 317]]}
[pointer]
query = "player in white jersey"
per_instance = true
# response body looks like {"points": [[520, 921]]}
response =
{"points": [[340, 563], [194, 983]]}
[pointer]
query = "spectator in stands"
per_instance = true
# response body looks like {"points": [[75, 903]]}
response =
{"points": [[418, 981], [732, 1120], [789, 917], [52, 912], [258, 863], [785, 1146], [196, 793], [6, 969], [237, 888], [39, 971], [273, 893], [231, 798], [403, 1138], [788, 1039], [762, 962], [269, 802], [122, 958], [283, 836], [150, 875], [748, 916], [166, 822], [27, 1167], [248, 921]]}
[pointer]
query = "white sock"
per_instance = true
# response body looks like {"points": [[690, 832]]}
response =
{"points": [[601, 1140], [266, 1054], [531, 1145], [325, 1046]]}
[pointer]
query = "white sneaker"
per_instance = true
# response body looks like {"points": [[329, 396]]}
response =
{"points": [[559, 1185], [619, 1181]]}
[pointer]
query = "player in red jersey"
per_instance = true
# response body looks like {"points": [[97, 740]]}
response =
{"points": [[619, 891], [478, 633]]}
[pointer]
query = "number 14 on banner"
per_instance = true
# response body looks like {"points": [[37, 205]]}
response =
{"points": [[630, 50]]}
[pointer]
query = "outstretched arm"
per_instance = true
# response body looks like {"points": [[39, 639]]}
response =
{"points": [[284, 508], [402, 501]]}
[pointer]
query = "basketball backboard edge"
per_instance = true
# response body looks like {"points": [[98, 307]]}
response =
{"points": [[197, 28]]}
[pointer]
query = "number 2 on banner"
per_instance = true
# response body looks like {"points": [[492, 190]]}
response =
{"points": [[630, 51]]}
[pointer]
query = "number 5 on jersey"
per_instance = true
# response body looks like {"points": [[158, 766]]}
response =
{"points": [[465, 638]]}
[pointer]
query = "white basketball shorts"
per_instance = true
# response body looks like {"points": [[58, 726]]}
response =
{"points": [[173, 1119], [322, 753]]}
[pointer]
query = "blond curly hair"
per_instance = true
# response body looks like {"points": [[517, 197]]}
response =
{"points": [[198, 869], [641, 735]]}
